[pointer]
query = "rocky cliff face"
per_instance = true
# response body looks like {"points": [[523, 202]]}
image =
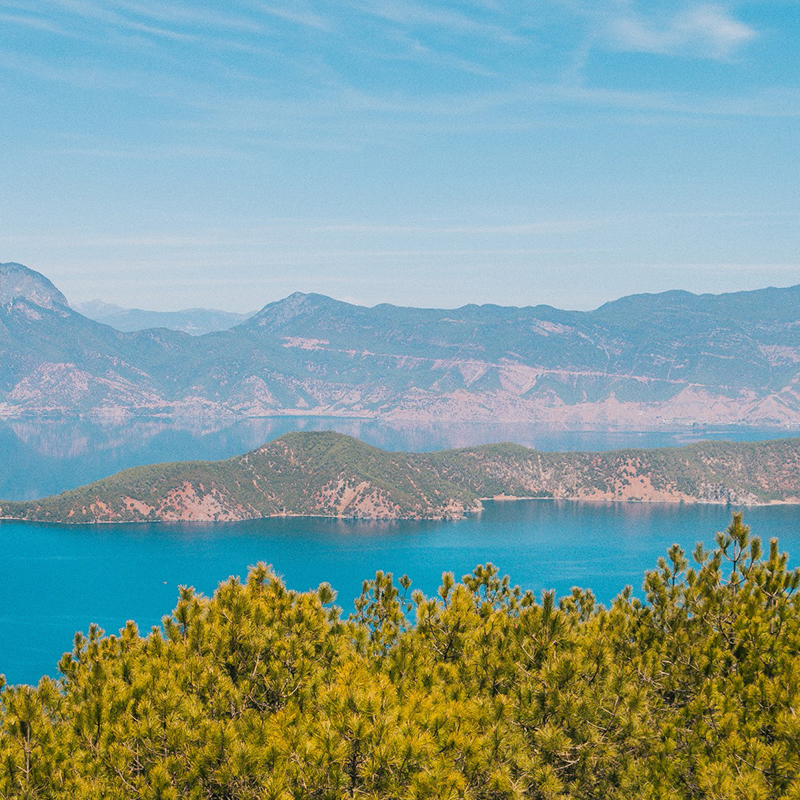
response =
{"points": [[643, 361]]}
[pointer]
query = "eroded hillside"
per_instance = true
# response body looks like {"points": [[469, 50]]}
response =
{"points": [[640, 362], [329, 474]]}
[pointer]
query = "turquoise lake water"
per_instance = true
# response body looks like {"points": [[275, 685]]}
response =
{"points": [[55, 580]]}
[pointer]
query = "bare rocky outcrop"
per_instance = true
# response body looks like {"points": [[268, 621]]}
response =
{"points": [[18, 283]]}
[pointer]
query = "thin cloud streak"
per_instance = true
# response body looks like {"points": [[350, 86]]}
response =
{"points": [[112, 14], [733, 267], [526, 229], [38, 24], [416, 15], [706, 30], [269, 232]]}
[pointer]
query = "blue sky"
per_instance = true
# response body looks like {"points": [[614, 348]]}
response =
{"points": [[166, 154]]}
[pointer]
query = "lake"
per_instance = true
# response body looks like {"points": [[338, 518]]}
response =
{"points": [[42, 457], [55, 580]]}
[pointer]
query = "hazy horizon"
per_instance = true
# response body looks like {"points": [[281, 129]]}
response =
{"points": [[252, 310], [171, 155], [83, 306]]}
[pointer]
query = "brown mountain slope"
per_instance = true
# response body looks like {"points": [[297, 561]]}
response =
{"points": [[640, 362]]}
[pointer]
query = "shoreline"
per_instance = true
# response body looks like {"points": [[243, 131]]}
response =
{"points": [[331, 475], [125, 415], [465, 515]]}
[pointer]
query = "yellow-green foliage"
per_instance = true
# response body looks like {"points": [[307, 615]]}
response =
{"points": [[482, 691]]}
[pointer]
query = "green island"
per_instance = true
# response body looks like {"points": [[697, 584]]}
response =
{"points": [[330, 474], [481, 691]]}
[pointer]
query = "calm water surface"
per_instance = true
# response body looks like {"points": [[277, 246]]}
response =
{"points": [[55, 580]]}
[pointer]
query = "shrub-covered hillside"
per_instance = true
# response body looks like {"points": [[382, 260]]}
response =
{"points": [[329, 474], [483, 691]]}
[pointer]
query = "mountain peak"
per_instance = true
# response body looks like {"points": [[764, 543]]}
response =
{"points": [[295, 305], [18, 282]]}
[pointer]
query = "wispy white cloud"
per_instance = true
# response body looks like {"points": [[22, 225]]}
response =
{"points": [[736, 267], [96, 76], [126, 13], [182, 15], [298, 16], [705, 30], [411, 49], [545, 228]]}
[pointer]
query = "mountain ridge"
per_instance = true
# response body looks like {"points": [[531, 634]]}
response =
{"points": [[334, 475], [194, 321], [645, 361]]}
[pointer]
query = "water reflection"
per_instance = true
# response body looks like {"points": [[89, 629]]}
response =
{"points": [[41, 457]]}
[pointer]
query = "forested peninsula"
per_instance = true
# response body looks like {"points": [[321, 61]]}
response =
{"points": [[333, 475]]}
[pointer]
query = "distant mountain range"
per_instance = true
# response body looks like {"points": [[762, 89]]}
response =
{"points": [[643, 361], [330, 474], [195, 321]]}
